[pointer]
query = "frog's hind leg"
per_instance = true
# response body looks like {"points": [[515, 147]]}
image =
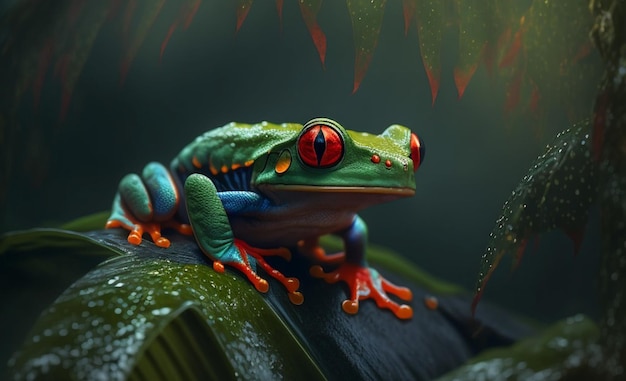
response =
{"points": [[147, 204], [363, 281], [214, 235]]}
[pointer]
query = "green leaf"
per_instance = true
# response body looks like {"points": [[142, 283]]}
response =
{"points": [[135, 313], [559, 352], [367, 18], [146, 305], [430, 24], [556, 193], [474, 16], [134, 316]]}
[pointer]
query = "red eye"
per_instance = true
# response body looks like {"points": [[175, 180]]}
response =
{"points": [[418, 151], [320, 146]]}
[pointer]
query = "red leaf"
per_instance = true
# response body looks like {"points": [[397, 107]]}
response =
{"points": [[309, 9], [462, 78], [473, 36], [367, 18], [430, 24], [243, 7], [576, 235], [433, 75], [519, 253], [408, 9], [279, 9], [191, 13], [516, 45], [146, 20], [491, 50], [169, 34], [187, 13], [483, 282]]}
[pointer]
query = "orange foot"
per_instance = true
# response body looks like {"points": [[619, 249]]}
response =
{"points": [[367, 283], [137, 230], [291, 284]]}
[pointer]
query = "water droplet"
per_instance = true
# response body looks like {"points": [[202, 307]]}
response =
{"points": [[161, 311]]}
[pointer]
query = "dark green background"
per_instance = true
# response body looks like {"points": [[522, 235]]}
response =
{"points": [[209, 76]]}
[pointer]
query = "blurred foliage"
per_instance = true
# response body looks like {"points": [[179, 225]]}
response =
{"points": [[557, 353], [540, 49], [585, 163], [542, 46]]}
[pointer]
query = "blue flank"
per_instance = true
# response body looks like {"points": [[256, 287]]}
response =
{"points": [[237, 180]]}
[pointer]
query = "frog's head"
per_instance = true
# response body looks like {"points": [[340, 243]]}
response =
{"points": [[325, 157]]}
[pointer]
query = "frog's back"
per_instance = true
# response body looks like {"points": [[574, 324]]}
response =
{"points": [[230, 148]]}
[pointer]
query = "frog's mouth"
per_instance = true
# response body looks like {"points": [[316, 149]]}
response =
{"points": [[399, 192]]}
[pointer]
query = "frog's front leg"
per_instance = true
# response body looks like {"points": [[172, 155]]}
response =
{"points": [[206, 209], [145, 204], [363, 281]]}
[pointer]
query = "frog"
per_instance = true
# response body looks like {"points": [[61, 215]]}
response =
{"points": [[247, 192]]}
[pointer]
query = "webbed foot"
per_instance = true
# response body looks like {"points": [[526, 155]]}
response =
{"points": [[137, 229], [290, 283], [366, 283], [147, 204]]}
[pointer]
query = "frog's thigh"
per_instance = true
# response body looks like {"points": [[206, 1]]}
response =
{"points": [[209, 220], [355, 240]]}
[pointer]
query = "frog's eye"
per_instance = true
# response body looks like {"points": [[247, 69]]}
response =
{"points": [[418, 151], [320, 145]]}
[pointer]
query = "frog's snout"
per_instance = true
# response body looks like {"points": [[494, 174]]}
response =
{"points": [[418, 151]]}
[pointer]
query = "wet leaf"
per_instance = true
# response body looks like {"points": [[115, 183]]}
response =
{"points": [[474, 19], [556, 193], [408, 11], [243, 7], [367, 18], [558, 352], [134, 314], [188, 10], [550, 49], [430, 24], [309, 9]]}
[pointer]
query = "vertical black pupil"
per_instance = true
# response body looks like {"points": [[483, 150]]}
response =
{"points": [[319, 145]]}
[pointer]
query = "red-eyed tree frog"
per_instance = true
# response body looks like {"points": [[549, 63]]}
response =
{"points": [[248, 191]]}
